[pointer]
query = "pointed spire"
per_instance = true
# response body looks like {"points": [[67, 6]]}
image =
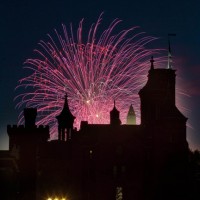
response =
{"points": [[65, 122], [65, 113], [131, 110], [152, 61], [114, 116], [66, 105], [131, 117], [114, 107], [66, 101], [169, 62]]}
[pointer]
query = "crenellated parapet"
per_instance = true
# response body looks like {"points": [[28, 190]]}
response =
{"points": [[21, 127], [22, 135]]}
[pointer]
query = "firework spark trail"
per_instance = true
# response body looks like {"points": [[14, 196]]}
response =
{"points": [[92, 73]]}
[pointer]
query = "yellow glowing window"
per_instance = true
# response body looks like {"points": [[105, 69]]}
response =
{"points": [[56, 198], [119, 193]]}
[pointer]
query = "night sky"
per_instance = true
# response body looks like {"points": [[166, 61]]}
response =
{"points": [[23, 23]]}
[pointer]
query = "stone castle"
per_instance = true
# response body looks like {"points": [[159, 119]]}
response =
{"points": [[102, 161]]}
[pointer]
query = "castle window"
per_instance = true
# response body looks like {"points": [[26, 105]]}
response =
{"points": [[115, 171], [56, 198], [91, 153]]}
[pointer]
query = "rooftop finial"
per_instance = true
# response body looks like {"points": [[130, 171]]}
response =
{"points": [[152, 61], [66, 101], [169, 66]]}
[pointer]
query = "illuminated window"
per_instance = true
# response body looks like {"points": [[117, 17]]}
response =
{"points": [[91, 153], [56, 198], [119, 194]]}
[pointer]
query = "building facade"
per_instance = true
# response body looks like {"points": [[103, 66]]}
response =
{"points": [[105, 161]]}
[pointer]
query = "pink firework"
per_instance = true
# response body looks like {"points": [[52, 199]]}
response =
{"points": [[110, 66]]}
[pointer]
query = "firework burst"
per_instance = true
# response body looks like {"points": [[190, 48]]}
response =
{"points": [[93, 73]]}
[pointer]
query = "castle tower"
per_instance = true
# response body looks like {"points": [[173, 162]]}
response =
{"points": [[131, 118], [114, 116], [158, 96], [30, 133], [164, 124], [158, 108], [65, 122], [24, 142], [164, 130]]}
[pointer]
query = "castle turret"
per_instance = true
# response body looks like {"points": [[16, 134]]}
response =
{"points": [[24, 142], [158, 96], [165, 125], [131, 118], [114, 116], [65, 122]]}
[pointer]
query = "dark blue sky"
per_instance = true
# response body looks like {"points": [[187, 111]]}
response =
{"points": [[23, 23]]}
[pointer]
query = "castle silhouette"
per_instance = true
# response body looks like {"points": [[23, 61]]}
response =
{"points": [[103, 161]]}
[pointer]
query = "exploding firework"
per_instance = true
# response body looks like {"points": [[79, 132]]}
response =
{"points": [[107, 66]]}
